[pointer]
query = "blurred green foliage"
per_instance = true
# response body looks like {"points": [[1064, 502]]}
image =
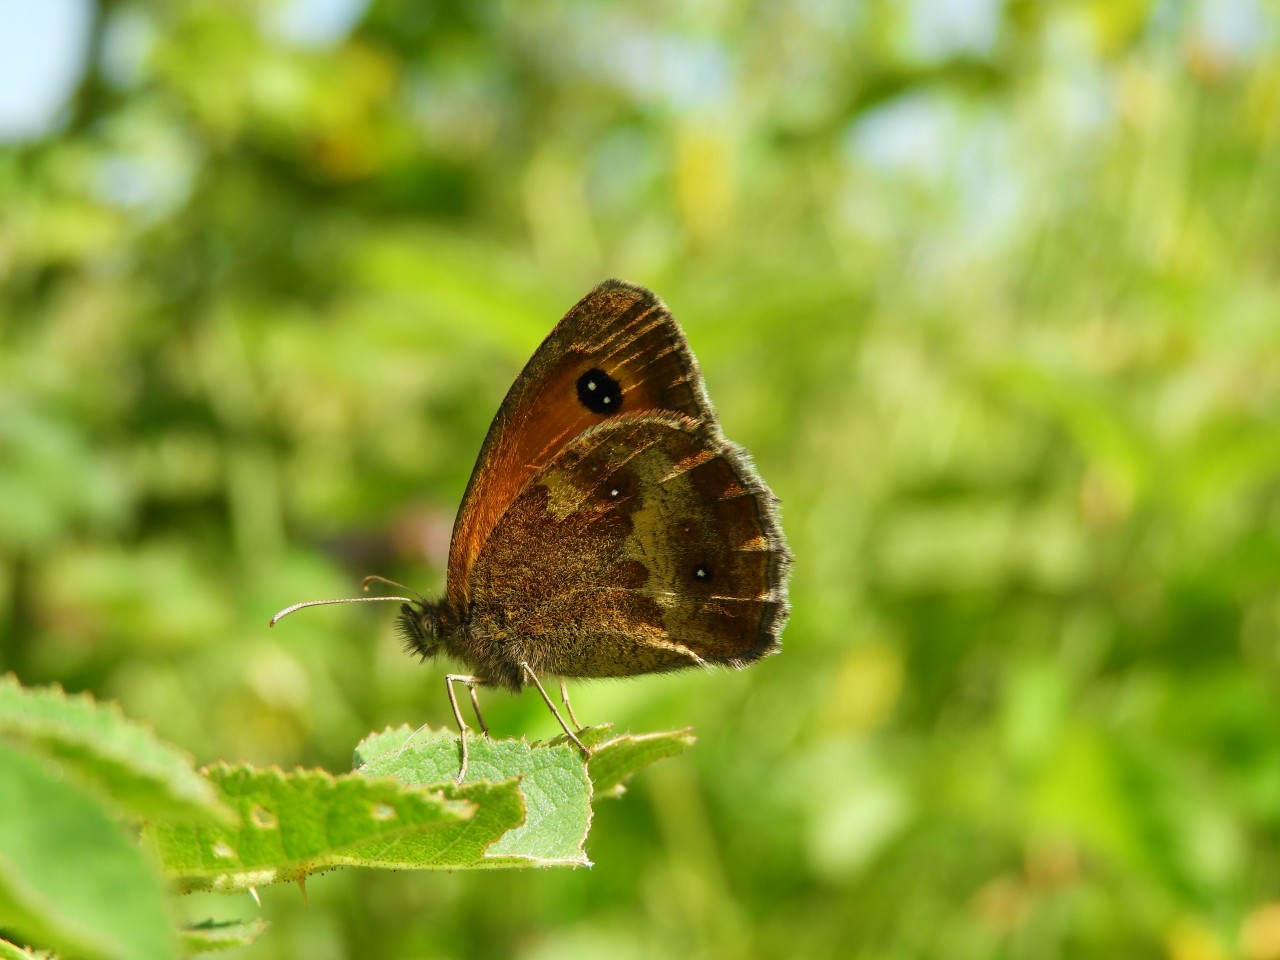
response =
{"points": [[988, 289]]}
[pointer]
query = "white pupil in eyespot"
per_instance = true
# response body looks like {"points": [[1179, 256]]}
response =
{"points": [[613, 493], [591, 384]]}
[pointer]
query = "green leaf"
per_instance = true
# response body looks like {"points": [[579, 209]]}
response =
{"points": [[615, 759], [11, 951], [70, 878], [294, 824], [551, 780], [524, 805], [145, 776], [212, 935]]}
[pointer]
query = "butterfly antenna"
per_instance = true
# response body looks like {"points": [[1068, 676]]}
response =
{"points": [[374, 578], [324, 603]]}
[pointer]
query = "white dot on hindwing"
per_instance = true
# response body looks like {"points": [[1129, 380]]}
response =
{"points": [[613, 493], [606, 399], [591, 384]]}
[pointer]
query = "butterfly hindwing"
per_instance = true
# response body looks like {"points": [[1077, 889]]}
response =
{"points": [[617, 352], [666, 552]]}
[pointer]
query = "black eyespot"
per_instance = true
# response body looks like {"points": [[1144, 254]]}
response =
{"points": [[702, 573], [599, 392]]}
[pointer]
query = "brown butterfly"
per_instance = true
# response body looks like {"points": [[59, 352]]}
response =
{"points": [[608, 529]]}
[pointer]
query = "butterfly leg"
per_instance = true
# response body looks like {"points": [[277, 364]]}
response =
{"points": [[449, 680], [554, 712], [568, 707], [475, 705]]}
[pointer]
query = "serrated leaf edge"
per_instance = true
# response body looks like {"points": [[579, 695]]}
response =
{"points": [[111, 751]]}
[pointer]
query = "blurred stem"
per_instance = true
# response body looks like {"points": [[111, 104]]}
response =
{"points": [[91, 98], [13, 654]]}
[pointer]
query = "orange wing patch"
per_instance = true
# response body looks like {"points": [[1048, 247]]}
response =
{"points": [[618, 351]]}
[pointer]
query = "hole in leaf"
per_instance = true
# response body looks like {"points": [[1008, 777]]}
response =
{"points": [[223, 851]]}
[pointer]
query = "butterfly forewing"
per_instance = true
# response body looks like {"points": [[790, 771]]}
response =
{"points": [[617, 352], [666, 552]]}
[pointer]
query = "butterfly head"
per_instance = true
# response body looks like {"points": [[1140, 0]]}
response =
{"points": [[422, 629]]}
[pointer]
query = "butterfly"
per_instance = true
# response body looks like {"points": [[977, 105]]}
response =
{"points": [[609, 529]]}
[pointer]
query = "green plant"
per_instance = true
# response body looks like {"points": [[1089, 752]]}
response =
{"points": [[80, 778]]}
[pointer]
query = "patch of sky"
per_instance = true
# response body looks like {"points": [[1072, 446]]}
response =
{"points": [[315, 23], [128, 37], [150, 175], [941, 29], [910, 135], [1236, 30], [956, 158], [683, 73], [43, 47]]}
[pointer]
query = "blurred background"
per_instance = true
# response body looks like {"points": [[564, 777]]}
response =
{"points": [[989, 289]]}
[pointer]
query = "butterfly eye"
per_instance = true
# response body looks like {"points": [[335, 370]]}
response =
{"points": [[599, 392]]}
